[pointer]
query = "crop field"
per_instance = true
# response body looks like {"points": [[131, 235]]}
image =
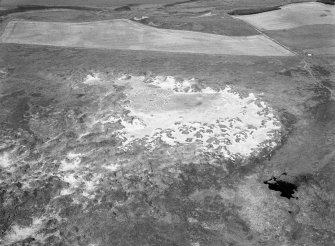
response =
{"points": [[169, 3], [309, 37], [128, 35], [96, 3], [289, 25], [292, 15]]}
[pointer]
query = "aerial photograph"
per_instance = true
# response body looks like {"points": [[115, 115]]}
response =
{"points": [[167, 123]]}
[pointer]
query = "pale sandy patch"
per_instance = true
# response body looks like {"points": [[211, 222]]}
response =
{"points": [[5, 160], [71, 179], [92, 79], [292, 15], [128, 35], [207, 14], [18, 233], [171, 111], [70, 164]]}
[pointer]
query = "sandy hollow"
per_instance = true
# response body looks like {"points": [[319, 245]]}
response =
{"points": [[175, 113]]}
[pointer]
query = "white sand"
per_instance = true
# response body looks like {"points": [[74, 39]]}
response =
{"points": [[18, 233], [71, 164], [5, 160], [92, 79], [128, 35], [215, 121], [292, 15]]}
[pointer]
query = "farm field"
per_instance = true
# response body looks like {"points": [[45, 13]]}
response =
{"points": [[128, 35], [291, 28], [167, 123], [293, 15], [309, 37], [97, 3], [170, 3]]}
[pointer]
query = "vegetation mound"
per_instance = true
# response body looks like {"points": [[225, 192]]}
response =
{"points": [[251, 11]]}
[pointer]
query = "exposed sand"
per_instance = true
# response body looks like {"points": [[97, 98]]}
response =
{"points": [[291, 16], [18, 233], [177, 112], [4, 160], [128, 35]]}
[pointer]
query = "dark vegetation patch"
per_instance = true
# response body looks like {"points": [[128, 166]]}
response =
{"points": [[18, 117], [230, 26], [324, 113], [18, 205], [198, 177], [330, 2], [25, 8], [320, 71], [304, 179], [324, 110], [177, 3], [288, 120], [123, 8], [36, 94], [293, 71], [321, 94], [252, 11], [328, 83]]}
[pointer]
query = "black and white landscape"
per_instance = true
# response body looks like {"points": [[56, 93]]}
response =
{"points": [[167, 123]]}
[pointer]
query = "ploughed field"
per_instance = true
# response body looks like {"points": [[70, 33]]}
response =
{"points": [[176, 124]]}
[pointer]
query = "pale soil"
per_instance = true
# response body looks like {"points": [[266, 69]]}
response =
{"points": [[293, 15], [128, 35]]}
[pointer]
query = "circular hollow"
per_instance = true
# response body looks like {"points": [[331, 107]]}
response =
{"points": [[176, 112]]}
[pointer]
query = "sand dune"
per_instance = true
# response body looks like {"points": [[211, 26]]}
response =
{"points": [[128, 35], [293, 15]]}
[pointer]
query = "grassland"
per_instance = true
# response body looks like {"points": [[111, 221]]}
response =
{"points": [[309, 37], [43, 89]]}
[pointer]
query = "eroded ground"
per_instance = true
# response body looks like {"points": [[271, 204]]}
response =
{"points": [[116, 147]]}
